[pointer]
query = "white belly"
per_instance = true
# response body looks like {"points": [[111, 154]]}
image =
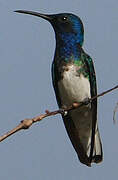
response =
{"points": [[73, 88]]}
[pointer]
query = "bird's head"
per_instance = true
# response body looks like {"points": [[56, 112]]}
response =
{"points": [[65, 24]]}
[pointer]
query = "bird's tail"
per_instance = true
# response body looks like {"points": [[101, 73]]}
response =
{"points": [[97, 152]]}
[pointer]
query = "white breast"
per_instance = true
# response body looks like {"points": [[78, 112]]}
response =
{"points": [[73, 88]]}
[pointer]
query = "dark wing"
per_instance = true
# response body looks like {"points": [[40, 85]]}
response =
{"points": [[92, 77]]}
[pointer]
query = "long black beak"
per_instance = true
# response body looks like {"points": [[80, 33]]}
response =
{"points": [[44, 16]]}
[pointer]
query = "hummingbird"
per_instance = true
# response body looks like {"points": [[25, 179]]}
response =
{"points": [[74, 80]]}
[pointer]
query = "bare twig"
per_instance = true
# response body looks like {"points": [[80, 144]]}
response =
{"points": [[26, 123], [114, 113]]}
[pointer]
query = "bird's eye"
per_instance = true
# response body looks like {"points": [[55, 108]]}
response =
{"points": [[64, 18]]}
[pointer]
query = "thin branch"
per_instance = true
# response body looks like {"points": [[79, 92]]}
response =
{"points": [[26, 123], [114, 113]]}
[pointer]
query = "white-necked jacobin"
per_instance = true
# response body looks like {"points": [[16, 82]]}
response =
{"points": [[74, 80]]}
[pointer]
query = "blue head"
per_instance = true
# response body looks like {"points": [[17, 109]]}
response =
{"points": [[67, 26]]}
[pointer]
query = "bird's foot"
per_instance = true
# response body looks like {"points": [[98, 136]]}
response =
{"points": [[63, 111], [86, 101]]}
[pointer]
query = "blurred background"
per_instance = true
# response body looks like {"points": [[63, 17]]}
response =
{"points": [[27, 45]]}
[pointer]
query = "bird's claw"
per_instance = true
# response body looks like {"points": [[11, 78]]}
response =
{"points": [[86, 101], [63, 112]]}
